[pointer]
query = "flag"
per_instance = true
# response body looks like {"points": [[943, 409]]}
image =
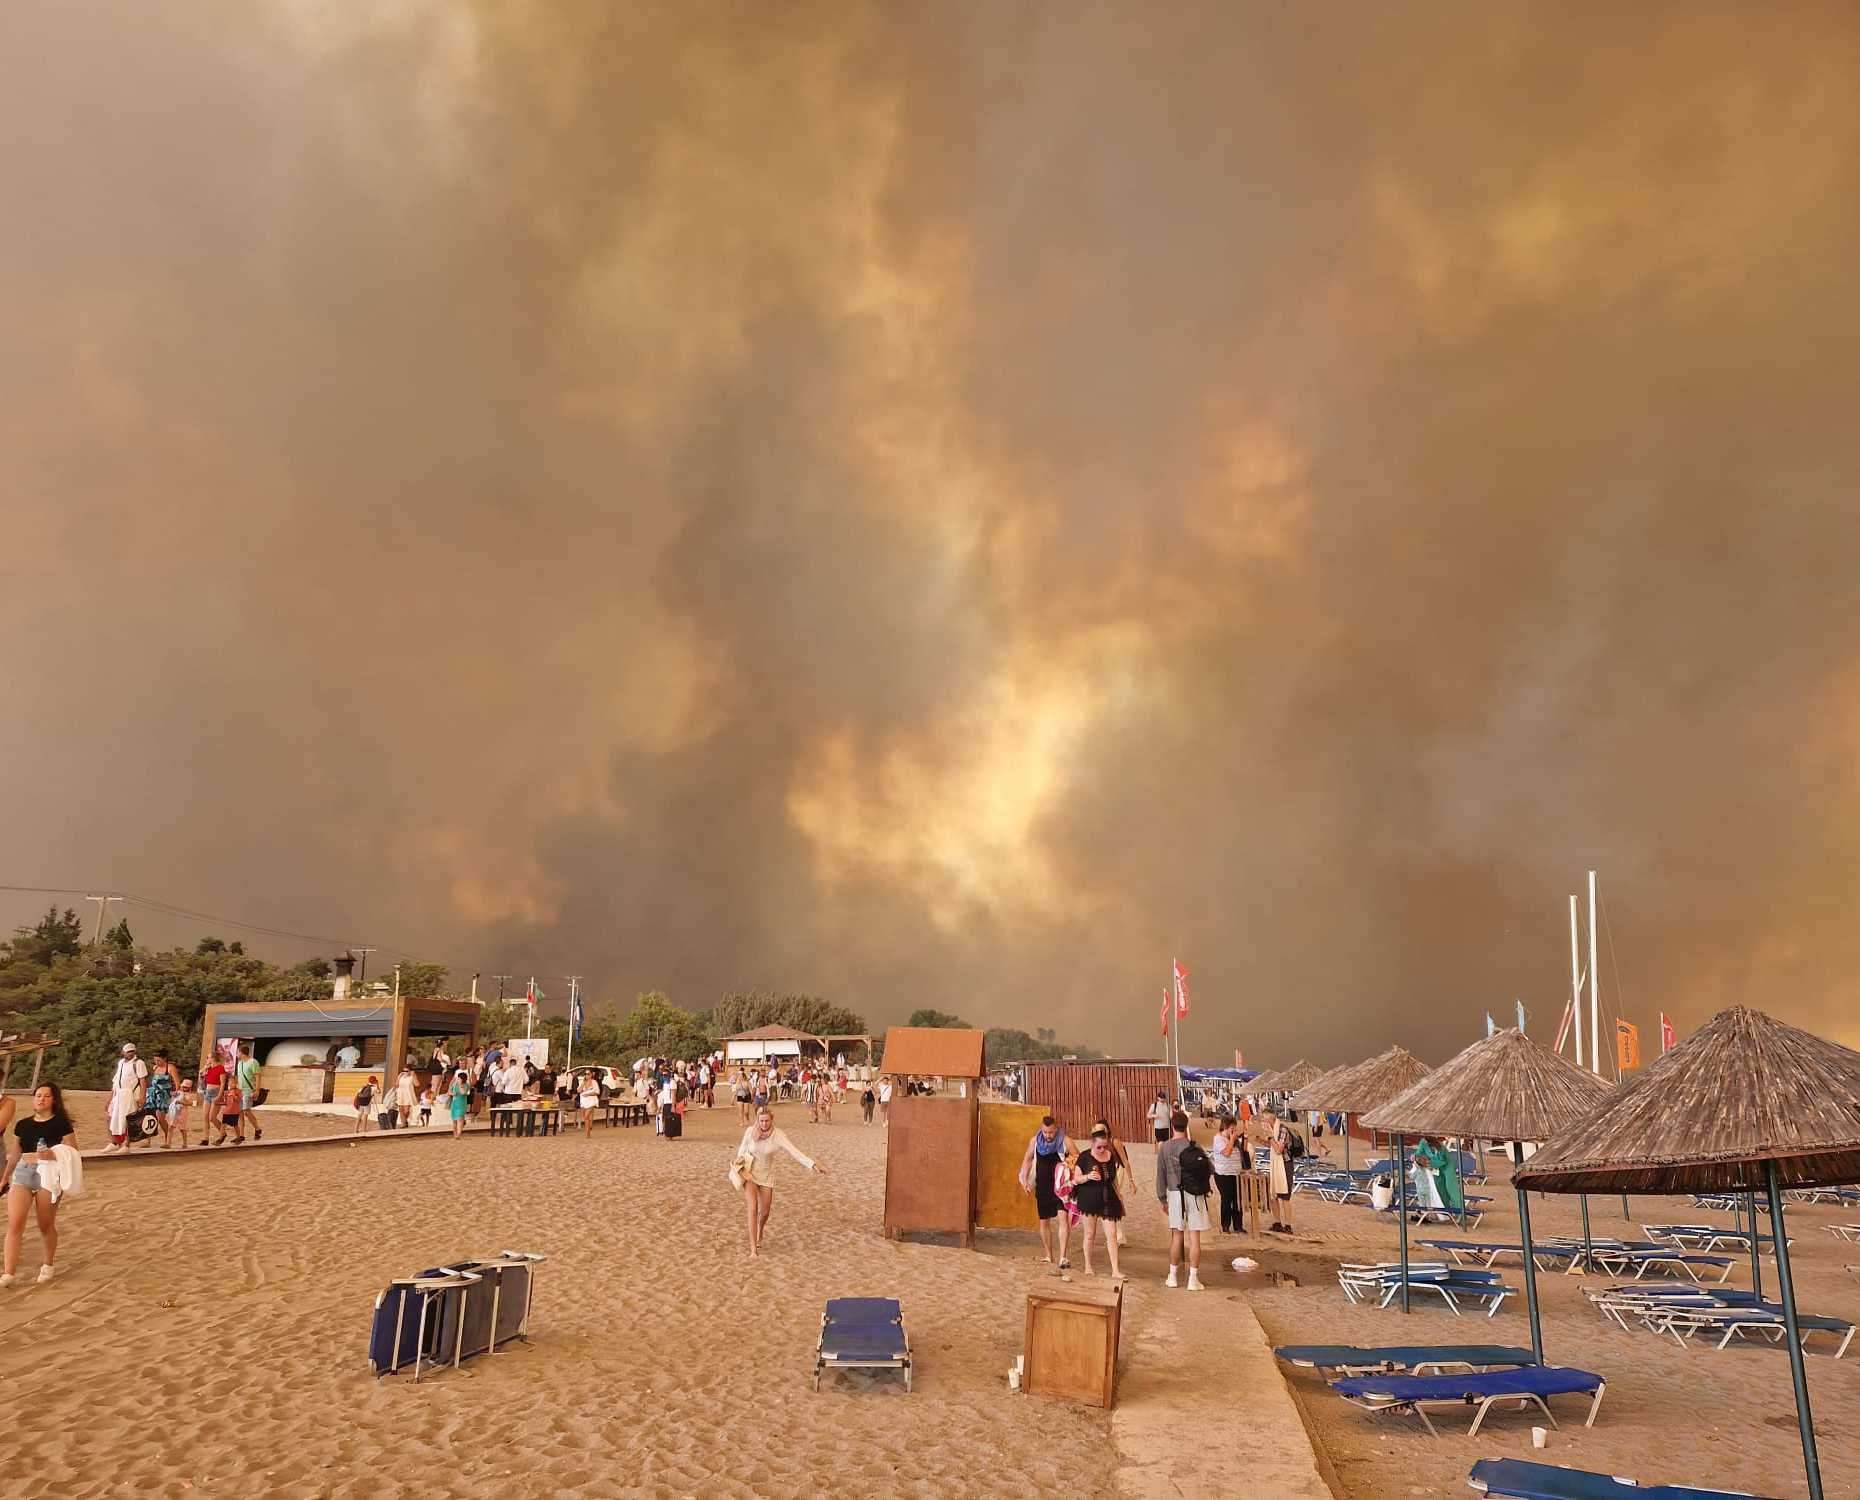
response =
{"points": [[574, 1015], [529, 997], [1239, 1061], [1491, 1026], [1520, 1005], [1165, 1013], [1627, 1046], [1181, 991], [1669, 1039]]}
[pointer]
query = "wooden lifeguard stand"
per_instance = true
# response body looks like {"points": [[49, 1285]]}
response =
{"points": [[930, 1149]]}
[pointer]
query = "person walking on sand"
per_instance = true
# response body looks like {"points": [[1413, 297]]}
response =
{"points": [[866, 1101], [1183, 1176], [251, 1094], [588, 1097], [406, 1095], [458, 1102], [364, 1102], [1045, 1151], [1230, 1160], [884, 1100], [1094, 1190], [1159, 1117], [1126, 1183], [181, 1112], [164, 1080], [127, 1087], [755, 1164], [231, 1102], [29, 1144]]}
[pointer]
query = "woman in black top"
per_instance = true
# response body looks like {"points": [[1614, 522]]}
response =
{"points": [[1094, 1190], [30, 1144]]}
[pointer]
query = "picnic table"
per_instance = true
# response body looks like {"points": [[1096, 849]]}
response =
{"points": [[526, 1119]]}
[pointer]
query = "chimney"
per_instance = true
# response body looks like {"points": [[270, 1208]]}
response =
{"points": [[345, 968]]}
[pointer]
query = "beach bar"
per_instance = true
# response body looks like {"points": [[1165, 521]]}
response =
{"points": [[295, 1041]]}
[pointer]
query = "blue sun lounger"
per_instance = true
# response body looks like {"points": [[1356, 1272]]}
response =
{"points": [[1413, 1359], [863, 1333], [1529, 1385], [1515, 1479]]}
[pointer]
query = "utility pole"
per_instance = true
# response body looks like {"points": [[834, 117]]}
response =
{"points": [[103, 905], [362, 954], [397, 981]]}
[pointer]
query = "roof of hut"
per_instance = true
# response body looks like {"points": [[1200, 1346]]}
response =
{"points": [[1504, 1087], [1742, 1090], [1364, 1087], [1283, 1079]]}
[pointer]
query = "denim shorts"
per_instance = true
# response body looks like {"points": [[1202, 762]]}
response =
{"points": [[26, 1175]]}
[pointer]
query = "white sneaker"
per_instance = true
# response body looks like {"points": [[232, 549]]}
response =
{"points": [[45, 1274], [1170, 1280], [8, 1278], [1194, 1282]]}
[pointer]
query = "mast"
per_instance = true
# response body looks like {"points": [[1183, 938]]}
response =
{"points": [[1575, 981], [1595, 1011]]}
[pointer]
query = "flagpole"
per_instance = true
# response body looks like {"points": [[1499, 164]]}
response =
{"points": [[529, 1011], [573, 988]]}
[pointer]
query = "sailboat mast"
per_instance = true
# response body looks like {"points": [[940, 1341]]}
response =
{"points": [[1595, 1004]]}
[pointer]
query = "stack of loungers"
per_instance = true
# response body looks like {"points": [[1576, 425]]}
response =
{"points": [[1716, 1312]]}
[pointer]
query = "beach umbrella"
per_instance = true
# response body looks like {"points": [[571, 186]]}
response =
{"points": [[1743, 1105], [1284, 1080], [1360, 1089], [1504, 1088]]}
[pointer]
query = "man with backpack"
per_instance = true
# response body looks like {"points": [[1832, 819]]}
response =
{"points": [[1184, 1178]]}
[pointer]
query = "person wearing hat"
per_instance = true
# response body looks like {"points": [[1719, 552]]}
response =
{"points": [[126, 1091]]}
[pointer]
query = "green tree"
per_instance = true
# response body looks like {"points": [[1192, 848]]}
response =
{"points": [[655, 1027], [51, 938], [119, 937], [1003, 1044], [210, 945], [809, 1013], [938, 1018], [421, 981]]}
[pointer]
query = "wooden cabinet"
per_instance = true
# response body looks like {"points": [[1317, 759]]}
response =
{"points": [[1072, 1332]]}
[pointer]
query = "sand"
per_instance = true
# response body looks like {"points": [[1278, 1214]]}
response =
{"points": [[207, 1332], [1671, 1415]]}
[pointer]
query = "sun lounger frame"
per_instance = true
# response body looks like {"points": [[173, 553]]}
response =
{"points": [[1483, 1403]]}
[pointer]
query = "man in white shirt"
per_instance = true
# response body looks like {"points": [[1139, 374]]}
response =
{"points": [[507, 1083], [884, 1100], [1159, 1117], [126, 1091]]}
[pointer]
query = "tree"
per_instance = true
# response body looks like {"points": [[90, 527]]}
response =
{"points": [[119, 937], [1003, 1044], [809, 1013], [53, 937], [210, 945], [421, 981], [942, 1020], [657, 1028]]}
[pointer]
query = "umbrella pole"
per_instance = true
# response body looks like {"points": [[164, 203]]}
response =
{"points": [[1625, 1212], [1401, 1193], [1756, 1266], [1588, 1247], [1530, 1265], [1346, 1140], [1805, 1420]]}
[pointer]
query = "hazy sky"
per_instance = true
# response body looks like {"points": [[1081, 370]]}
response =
{"points": [[950, 504]]}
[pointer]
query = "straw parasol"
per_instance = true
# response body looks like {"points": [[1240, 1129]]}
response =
{"points": [[1745, 1103], [1284, 1080], [1504, 1087], [1367, 1086]]}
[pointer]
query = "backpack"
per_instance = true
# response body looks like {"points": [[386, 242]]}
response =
{"points": [[1197, 1171], [1294, 1145]]}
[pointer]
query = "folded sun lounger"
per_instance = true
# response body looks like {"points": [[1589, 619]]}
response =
{"points": [[1529, 1385], [863, 1333], [1415, 1359], [1515, 1479]]}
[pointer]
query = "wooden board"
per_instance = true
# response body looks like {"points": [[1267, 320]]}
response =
{"points": [[1072, 1334], [1002, 1136], [930, 1166]]}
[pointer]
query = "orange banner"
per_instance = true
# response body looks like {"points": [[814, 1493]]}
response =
{"points": [[1627, 1045]]}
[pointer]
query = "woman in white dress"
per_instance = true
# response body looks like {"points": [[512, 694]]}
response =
{"points": [[755, 1165]]}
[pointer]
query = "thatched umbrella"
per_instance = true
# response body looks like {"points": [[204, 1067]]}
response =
{"points": [[1284, 1080], [1505, 1088], [1744, 1104], [1355, 1090]]}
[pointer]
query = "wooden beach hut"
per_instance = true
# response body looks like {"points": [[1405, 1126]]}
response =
{"points": [[1744, 1105], [931, 1142], [1502, 1088]]}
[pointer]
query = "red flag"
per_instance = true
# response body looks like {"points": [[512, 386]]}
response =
{"points": [[1181, 990], [1669, 1039], [1165, 1013], [530, 997], [1239, 1061]]}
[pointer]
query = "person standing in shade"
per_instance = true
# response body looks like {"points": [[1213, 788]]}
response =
{"points": [[1230, 1160], [252, 1094], [1283, 1143], [1183, 1175], [1094, 1190], [1159, 1117], [1046, 1151]]}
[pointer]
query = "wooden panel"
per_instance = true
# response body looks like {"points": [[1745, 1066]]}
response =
{"points": [[930, 1166], [1002, 1134], [933, 1052], [1072, 1334]]}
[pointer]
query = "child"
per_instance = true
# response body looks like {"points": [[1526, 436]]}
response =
{"points": [[426, 1105], [182, 1110], [231, 1104], [365, 1103]]}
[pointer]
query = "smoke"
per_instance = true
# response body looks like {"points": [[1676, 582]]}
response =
{"points": [[952, 505]]}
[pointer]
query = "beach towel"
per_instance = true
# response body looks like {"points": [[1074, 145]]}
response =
{"points": [[63, 1175]]}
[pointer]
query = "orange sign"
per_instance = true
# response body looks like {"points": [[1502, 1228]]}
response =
{"points": [[1627, 1045]]}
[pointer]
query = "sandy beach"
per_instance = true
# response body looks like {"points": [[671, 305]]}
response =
{"points": [[206, 1333]]}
